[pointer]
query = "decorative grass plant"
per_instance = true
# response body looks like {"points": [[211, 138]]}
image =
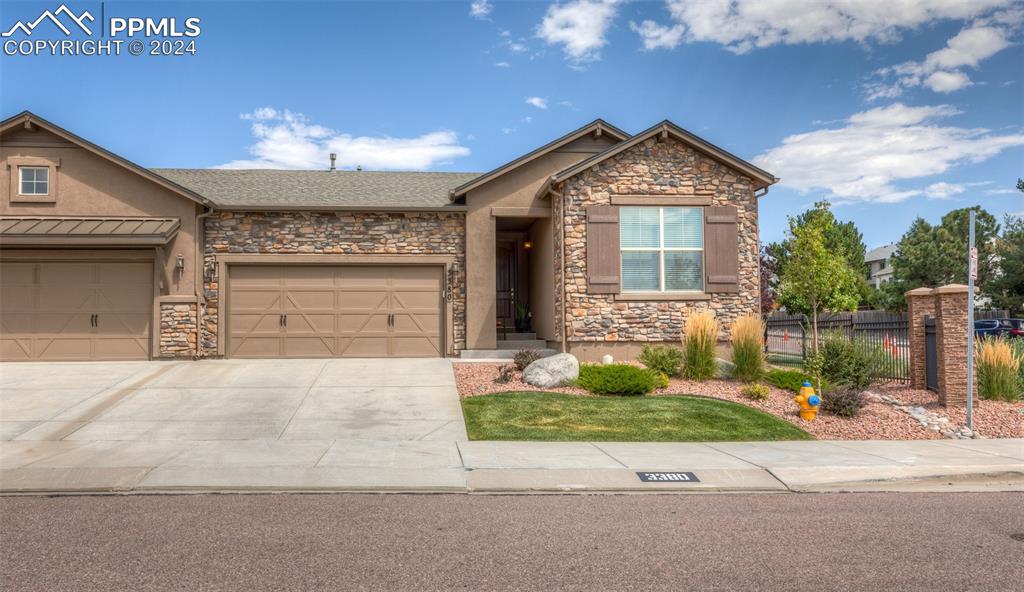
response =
{"points": [[747, 348], [699, 337]]}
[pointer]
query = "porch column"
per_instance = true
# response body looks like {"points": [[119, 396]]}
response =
{"points": [[919, 304], [480, 279]]}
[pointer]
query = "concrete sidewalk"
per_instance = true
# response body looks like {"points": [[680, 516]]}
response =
{"points": [[495, 467]]}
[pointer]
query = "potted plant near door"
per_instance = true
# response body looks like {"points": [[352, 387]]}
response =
{"points": [[522, 318]]}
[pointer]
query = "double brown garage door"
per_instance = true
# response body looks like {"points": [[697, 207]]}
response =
{"points": [[75, 310], [298, 311]]}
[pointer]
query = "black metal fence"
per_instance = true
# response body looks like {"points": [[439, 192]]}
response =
{"points": [[788, 337]]}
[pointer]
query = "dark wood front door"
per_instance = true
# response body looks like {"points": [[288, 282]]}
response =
{"points": [[505, 297]]}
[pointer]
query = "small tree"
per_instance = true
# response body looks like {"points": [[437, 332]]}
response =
{"points": [[816, 280]]}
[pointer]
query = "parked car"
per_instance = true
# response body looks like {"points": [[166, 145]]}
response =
{"points": [[1007, 328]]}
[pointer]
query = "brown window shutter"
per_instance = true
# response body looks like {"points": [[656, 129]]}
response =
{"points": [[603, 258], [721, 249]]}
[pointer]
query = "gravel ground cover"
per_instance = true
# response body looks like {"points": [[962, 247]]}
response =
{"points": [[876, 421]]}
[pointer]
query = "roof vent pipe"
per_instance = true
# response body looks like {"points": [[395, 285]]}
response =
{"points": [[334, 157]]}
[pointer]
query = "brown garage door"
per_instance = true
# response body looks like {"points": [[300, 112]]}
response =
{"points": [[75, 310], [334, 311]]}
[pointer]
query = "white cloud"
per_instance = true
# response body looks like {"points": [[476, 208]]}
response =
{"points": [[743, 25], [1003, 191], [507, 130], [579, 27], [502, 65], [480, 9], [657, 36], [943, 190], [864, 159], [286, 140], [537, 102], [941, 70]]}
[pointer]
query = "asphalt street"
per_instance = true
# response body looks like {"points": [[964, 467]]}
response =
{"points": [[540, 542]]}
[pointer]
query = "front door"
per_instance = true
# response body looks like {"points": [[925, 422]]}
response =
{"points": [[506, 285]]}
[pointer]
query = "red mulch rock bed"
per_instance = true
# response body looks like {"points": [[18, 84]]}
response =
{"points": [[876, 421], [992, 419]]}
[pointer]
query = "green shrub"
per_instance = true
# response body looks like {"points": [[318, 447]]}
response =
{"points": [[747, 355], [505, 374], [525, 357], [699, 339], [756, 391], [662, 381], [999, 369], [856, 363], [618, 379], [843, 402], [662, 358], [790, 380]]}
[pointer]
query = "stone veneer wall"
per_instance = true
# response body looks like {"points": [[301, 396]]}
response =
{"points": [[177, 330], [406, 233], [665, 168]]}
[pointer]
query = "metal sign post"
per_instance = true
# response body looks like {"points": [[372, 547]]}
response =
{"points": [[972, 274]]}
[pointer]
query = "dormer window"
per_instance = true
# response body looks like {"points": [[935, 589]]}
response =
{"points": [[34, 180]]}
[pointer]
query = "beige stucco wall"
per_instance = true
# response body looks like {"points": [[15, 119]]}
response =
{"points": [[90, 185], [516, 189]]}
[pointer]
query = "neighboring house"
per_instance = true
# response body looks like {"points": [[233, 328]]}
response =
{"points": [[879, 264], [607, 239]]}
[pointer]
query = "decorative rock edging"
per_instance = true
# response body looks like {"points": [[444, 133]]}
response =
{"points": [[928, 419]]}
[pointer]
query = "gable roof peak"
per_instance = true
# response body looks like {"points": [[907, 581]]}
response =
{"points": [[596, 125], [692, 140]]}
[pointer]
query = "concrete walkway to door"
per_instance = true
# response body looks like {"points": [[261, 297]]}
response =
{"points": [[179, 424]]}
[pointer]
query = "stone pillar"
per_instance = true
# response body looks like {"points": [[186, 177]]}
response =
{"points": [[920, 303], [951, 342]]}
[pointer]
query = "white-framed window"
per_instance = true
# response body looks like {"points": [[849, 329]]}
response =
{"points": [[662, 249], [34, 180]]}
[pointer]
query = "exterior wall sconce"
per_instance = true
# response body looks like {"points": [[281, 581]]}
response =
{"points": [[179, 263]]}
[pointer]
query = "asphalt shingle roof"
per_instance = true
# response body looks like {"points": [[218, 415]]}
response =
{"points": [[258, 188]]}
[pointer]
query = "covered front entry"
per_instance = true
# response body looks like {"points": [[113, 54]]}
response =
{"points": [[75, 310], [324, 311]]}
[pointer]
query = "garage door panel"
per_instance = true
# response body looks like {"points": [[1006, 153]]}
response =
{"points": [[49, 314], [309, 347], [309, 299], [363, 347], [351, 323], [121, 324], [266, 324], [415, 347], [256, 300], [255, 347], [337, 311], [63, 348], [65, 298], [120, 348], [17, 298], [15, 350], [63, 274]]}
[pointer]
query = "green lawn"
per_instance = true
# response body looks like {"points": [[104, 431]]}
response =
{"points": [[674, 418]]}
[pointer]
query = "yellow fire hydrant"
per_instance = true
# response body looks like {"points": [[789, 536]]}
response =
{"points": [[809, 401]]}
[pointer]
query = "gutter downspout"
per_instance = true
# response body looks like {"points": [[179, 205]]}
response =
{"points": [[200, 279]]}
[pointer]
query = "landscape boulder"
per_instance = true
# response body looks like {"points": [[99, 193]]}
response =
{"points": [[552, 371]]}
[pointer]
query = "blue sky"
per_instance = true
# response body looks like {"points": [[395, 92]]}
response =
{"points": [[891, 110]]}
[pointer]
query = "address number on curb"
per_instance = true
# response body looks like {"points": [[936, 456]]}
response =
{"points": [[668, 477]]}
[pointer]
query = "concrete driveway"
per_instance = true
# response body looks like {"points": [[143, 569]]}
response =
{"points": [[179, 419]]}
